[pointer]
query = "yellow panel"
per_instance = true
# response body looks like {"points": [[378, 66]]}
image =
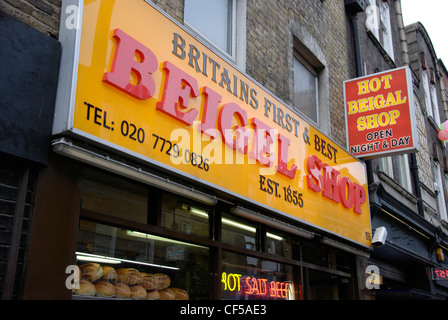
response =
{"points": [[134, 125]]}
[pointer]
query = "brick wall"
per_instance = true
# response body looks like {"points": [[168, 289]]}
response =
{"points": [[41, 14], [271, 28]]}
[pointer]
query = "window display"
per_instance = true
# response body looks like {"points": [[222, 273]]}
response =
{"points": [[238, 232], [114, 196], [249, 278], [184, 216], [137, 242], [121, 263]]}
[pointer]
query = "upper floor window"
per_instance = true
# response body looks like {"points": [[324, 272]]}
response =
{"points": [[378, 22], [386, 166], [430, 95], [214, 21], [439, 190], [305, 88], [404, 172]]}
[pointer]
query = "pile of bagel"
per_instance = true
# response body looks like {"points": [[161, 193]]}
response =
{"points": [[126, 283]]}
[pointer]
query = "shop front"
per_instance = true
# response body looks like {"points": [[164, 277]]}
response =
{"points": [[182, 178], [206, 252]]}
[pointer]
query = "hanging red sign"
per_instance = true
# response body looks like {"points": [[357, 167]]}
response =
{"points": [[379, 112]]}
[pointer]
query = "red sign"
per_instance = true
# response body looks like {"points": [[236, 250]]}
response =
{"points": [[379, 112], [440, 274], [259, 287]]}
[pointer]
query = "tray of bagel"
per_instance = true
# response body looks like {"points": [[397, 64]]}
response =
{"points": [[105, 282]]}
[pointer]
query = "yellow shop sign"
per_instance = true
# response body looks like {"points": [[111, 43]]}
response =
{"points": [[154, 92]]}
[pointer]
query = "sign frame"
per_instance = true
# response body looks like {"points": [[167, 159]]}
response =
{"points": [[379, 136], [65, 125], [439, 273]]}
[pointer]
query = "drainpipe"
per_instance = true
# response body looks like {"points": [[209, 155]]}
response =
{"points": [[418, 189], [354, 21], [356, 43], [402, 32]]}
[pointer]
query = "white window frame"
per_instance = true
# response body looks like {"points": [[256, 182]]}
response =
{"points": [[430, 93], [379, 23], [435, 104], [426, 91], [232, 55], [405, 175], [441, 194], [444, 214], [315, 72], [386, 166]]}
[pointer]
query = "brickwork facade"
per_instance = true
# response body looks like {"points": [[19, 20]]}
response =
{"points": [[319, 30], [274, 26], [43, 15]]}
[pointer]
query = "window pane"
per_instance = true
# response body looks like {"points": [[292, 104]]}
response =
{"points": [[136, 256], [238, 232], [108, 194], [248, 278], [213, 19], [305, 90], [183, 216], [278, 244]]}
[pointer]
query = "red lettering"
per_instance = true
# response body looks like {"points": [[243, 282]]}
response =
{"points": [[210, 111], [131, 72], [346, 192], [226, 114], [283, 144], [315, 180], [279, 289], [273, 290], [248, 289], [261, 143], [255, 289], [262, 286], [333, 186], [360, 197], [124, 65], [179, 87], [285, 289]]}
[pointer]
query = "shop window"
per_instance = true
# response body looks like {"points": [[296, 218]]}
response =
{"points": [[164, 268], [214, 21], [325, 286], [328, 258], [314, 254], [305, 87], [184, 216], [278, 244], [249, 278], [238, 232], [108, 194]]}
